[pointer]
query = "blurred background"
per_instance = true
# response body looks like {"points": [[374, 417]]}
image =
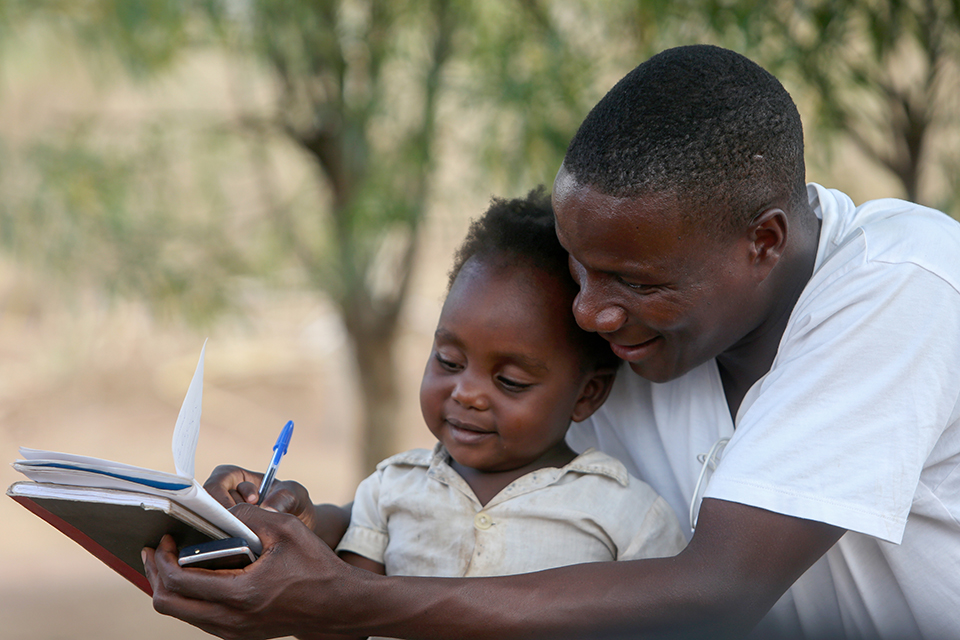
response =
{"points": [[289, 180]]}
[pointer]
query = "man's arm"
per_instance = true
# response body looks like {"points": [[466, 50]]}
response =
{"points": [[738, 564], [354, 560]]}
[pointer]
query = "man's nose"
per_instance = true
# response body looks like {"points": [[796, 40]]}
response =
{"points": [[597, 313]]}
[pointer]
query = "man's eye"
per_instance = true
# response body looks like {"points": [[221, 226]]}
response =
{"points": [[636, 286]]}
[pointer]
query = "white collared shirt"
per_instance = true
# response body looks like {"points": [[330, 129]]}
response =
{"points": [[418, 516], [857, 424]]}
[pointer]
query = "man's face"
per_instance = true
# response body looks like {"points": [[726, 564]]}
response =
{"points": [[667, 296]]}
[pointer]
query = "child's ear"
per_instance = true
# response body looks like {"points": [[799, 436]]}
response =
{"points": [[593, 394]]}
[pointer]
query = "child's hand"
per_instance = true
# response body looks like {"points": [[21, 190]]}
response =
{"points": [[231, 485]]}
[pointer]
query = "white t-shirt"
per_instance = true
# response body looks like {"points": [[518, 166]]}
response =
{"points": [[857, 424], [419, 517]]}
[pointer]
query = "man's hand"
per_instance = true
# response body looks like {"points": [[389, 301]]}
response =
{"points": [[269, 598]]}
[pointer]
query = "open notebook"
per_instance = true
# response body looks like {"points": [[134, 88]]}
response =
{"points": [[113, 510]]}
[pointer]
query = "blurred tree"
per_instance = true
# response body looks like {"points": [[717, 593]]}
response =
{"points": [[884, 74], [103, 210], [357, 87], [542, 65]]}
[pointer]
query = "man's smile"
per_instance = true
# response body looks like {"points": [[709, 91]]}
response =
{"points": [[635, 352]]}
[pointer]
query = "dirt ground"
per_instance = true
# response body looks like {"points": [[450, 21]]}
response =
{"points": [[108, 382]]}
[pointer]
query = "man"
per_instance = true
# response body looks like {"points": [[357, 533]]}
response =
{"points": [[807, 349]]}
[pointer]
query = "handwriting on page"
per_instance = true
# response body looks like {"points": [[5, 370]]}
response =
{"points": [[187, 431]]}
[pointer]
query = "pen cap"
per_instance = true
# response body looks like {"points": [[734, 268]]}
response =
{"points": [[284, 440]]}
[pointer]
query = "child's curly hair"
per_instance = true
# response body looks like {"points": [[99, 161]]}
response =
{"points": [[521, 230]]}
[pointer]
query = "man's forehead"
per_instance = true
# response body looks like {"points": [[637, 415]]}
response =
{"points": [[623, 235], [579, 208], [583, 211]]}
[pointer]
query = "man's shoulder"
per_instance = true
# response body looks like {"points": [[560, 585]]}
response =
{"points": [[889, 231]]}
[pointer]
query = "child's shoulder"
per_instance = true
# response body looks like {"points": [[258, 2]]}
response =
{"points": [[593, 462], [593, 465]]}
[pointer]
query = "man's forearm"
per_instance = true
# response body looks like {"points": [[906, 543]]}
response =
{"points": [[735, 569], [737, 565], [575, 601]]}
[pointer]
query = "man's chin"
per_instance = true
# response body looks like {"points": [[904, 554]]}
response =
{"points": [[648, 371]]}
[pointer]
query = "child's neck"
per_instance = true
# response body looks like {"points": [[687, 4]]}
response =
{"points": [[487, 484]]}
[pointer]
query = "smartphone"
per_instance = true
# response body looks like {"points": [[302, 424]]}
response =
{"points": [[229, 553]]}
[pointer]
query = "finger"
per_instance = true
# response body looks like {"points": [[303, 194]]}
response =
{"points": [[249, 492], [254, 517], [273, 529], [223, 484], [150, 568], [197, 584], [235, 498], [282, 498], [211, 617]]}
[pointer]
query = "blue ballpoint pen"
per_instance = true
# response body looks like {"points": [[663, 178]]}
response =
{"points": [[279, 450]]}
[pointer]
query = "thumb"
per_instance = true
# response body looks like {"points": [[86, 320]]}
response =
{"points": [[269, 525]]}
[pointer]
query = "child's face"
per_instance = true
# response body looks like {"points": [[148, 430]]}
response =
{"points": [[503, 378]]}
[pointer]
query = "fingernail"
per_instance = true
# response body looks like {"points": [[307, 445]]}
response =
{"points": [[269, 509], [143, 557]]}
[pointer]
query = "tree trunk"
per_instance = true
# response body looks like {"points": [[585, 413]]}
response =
{"points": [[379, 394]]}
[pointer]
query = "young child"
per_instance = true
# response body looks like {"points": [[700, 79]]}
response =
{"points": [[501, 492]]}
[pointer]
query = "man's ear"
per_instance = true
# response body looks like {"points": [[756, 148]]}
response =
{"points": [[767, 235], [593, 393]]}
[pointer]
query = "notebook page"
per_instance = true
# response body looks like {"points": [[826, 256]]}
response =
{"points": [[187, 431]]}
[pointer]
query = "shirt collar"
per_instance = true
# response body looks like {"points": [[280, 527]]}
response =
{"points": [[591, 462]]}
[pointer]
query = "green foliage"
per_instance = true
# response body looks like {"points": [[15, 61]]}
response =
{"points": [[883, 74], [145, 36], [532, 70], [108, 217]]}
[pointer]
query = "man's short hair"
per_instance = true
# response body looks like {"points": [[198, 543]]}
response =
{"points": [[702, 123]]}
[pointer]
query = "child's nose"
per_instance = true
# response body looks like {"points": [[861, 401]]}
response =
{"points": [[471, 394]]}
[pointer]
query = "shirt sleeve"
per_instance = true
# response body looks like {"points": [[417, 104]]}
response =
{"points": [[657, 536], [367, 534], [863, 386]]}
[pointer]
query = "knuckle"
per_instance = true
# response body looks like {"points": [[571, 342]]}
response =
{"points": [[289, 525], [284, 497], [162, 603], [244, 598], [223, 470], [172, 584]]}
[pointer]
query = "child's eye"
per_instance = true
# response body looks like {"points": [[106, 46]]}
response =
{"points": [[447, 364], [513, 385]]}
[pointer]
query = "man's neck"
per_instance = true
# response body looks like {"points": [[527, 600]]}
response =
{"points": [[751, 358]]}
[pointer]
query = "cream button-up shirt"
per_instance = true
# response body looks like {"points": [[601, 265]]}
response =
{"points": [[419, 517]]}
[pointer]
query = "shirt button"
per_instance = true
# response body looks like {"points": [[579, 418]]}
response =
{"points": [[482, 521]]}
